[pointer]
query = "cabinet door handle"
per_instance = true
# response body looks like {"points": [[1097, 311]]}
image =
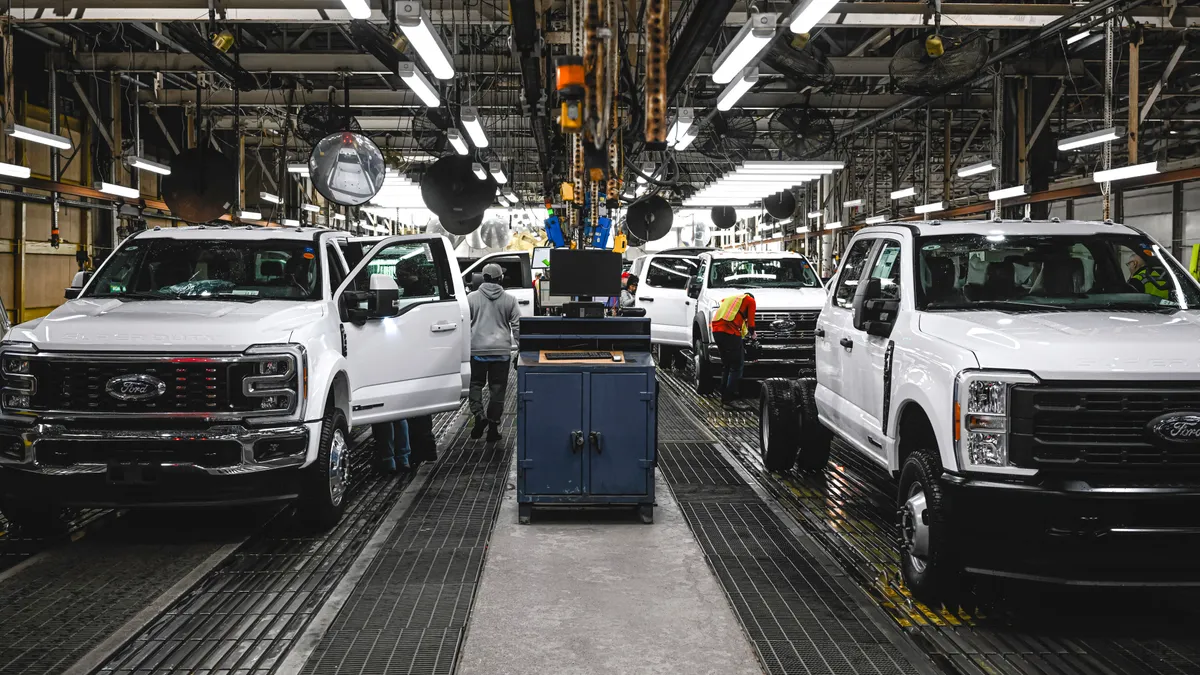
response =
{"points": [[576, 441], [522, 302], [597, 441], [847, 343], [820, 332], [644, 298]]}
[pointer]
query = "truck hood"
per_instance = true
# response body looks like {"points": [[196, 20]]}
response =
{"points": [[166, 325], [776, 299], [1091, 345]]}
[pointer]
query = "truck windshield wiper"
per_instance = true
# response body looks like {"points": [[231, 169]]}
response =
{"points": [[139, 295], [1012, 304]]}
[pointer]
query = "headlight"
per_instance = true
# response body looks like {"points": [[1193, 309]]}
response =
{"points": [[981, 420], [277, 381], [17, 375]]}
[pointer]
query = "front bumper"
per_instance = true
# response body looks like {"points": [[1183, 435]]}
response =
{"points": [[1076, 532], [773, 360], [224, 464]]}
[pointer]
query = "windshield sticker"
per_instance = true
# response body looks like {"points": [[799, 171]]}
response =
{"points": [[931, 247], [243, 291], [308, 256]]}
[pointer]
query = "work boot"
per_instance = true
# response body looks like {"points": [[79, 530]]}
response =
{"points": [[494, 431], [477, 430], [387, 465]]}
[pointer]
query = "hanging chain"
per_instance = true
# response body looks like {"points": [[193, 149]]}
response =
{"points": [[997, 135], [1106, 160]]}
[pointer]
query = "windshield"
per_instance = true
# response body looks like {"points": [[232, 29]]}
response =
{"points": [[1036, 273], [761, 273], [153, 269]]}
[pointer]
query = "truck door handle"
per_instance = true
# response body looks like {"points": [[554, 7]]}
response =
{"points": [[597, 441], [576, 441], [646, 299], [522, 302], [847, 343], [820, 332], [443, 327]]}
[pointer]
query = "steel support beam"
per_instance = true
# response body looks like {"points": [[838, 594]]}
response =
{"points": [[1162, 80], [1041, 125], [91, 111]]}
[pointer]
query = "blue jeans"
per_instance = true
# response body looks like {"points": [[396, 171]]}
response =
{"points": [[391, 441], [733, 359]]}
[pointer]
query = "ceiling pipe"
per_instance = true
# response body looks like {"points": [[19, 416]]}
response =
{"points": [[1049, 30], [702, 26]]}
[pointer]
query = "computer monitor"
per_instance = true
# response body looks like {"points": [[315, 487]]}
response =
{"points": [[589, 272], [541, 257]]}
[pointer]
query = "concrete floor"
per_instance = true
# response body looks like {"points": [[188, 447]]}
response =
{"points": [[601, 593]]}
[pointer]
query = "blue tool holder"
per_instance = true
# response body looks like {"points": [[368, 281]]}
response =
{"points": [[586, 432]]}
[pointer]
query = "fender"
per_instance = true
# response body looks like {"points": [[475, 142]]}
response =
{"points": [[322, 371], [920, 380]]}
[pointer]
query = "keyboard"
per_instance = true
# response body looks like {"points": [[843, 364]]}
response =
{"points": [[576, 356]]}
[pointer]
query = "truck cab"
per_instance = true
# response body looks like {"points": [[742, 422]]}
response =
{"points": [[226, 365], [1033, 388], [517, 280], [788, 295]]}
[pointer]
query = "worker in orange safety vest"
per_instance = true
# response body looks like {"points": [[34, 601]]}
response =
{"points": [[732, 322]]}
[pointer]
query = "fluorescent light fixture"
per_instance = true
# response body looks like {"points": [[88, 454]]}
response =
{"points": [[339, 216], [737, 88], [930, 207], [812, 166], [1008, 193], [301, 169], [152, 167], [497, 172], [407, 70], [119, 190], [808, 13], [853, 203], [249, 215], [456, 140], [747, 44], [268, 197], [359, 9], [14, 170], [906, 192], [510, 196], [417, 27], [290, 222], [834, 225], [683, 121], [1091, 138], [311, 208], [687, 137], [479, 171], [976, 169], [33, 135], [1125, 172], [875, 220], [815, 214], [1078, 36], [469, 116]]}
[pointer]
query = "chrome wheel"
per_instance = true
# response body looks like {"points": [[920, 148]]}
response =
{"points": [[915, 529], [338, 468]]}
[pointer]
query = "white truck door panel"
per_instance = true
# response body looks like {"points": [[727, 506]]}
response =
{"points": [[410, 364], [518, 276], [836, 366], [662, 292]]}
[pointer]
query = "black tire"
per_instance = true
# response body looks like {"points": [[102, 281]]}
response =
{"points": [[814, 438], [327, 480], [777, 424], [929, 562], [33, 518], [704, 375]]}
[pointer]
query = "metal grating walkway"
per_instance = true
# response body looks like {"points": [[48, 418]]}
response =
{"points": [[409, 611], [848, 509], [244, 616]]}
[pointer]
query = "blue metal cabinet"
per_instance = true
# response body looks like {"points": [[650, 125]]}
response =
{"points": [[586, 434]]}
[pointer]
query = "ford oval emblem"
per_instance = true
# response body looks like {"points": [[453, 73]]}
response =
{"points": [[783, 325], [137, 387], [1177, 427]]}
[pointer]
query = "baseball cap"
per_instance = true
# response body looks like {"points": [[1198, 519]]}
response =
{"points": [[493, 271]]}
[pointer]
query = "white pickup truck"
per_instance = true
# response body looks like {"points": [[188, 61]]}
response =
{"points": [[788, 296], [1033, 387], [226, 365]]}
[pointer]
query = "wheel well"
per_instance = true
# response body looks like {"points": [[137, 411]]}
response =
{"points": [[914, 432], [339, 394]]}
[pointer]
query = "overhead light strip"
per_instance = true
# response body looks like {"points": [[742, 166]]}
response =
{"points": [[268, 197], [497, 172], [808, 13], [469, 116], [358, 9], [875, 220], [457, 141], [853, 203], [479, 171], [750, 41], [1124, 172], [1092, 138], [976, 169], [249, 215], [148, 165], [119, 190], [14, 170], [930, 207], [415, 23], [1008, 193], [904, 192], [41, 137], [737, 88], [407, 70], [684, 118]]}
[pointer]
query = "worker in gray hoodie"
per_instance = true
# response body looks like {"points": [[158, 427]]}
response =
{"points": [[495, 325]]}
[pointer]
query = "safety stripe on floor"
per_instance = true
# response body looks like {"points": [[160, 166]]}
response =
{"points": [[409, 612]]}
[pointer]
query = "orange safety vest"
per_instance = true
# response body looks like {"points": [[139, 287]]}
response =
{"points": [[729, 317]]}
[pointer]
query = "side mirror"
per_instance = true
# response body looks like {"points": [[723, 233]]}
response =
{"points": [[81, 279], [874, 314], [378, 303], [693, 287]]}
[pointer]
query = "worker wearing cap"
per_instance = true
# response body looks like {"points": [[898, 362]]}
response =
{"points": [[495, 324], [732, 322]]}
